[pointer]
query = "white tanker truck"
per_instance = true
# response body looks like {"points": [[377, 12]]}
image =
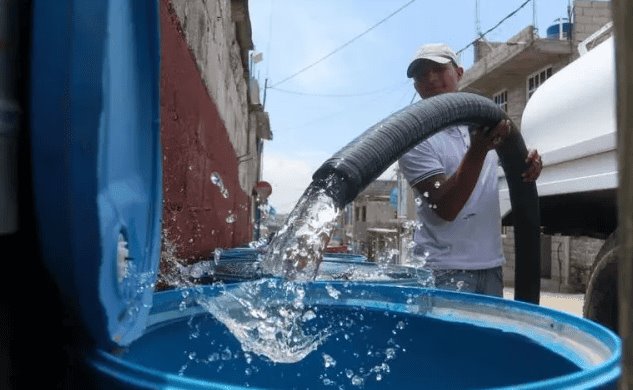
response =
{"points": [[571, 120]]}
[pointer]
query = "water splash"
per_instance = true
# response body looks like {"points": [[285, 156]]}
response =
{"points": [[278, 325], [268, 325]]}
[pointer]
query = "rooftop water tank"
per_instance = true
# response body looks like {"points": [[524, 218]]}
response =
{"points": [[560, 29]]}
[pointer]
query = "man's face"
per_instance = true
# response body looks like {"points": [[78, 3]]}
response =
{"points": [[433, 79]]}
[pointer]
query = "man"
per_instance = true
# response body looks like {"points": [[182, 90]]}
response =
{"points": [[454, 176]]}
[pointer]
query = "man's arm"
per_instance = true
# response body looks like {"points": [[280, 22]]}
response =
{"points": [[447, 196]]}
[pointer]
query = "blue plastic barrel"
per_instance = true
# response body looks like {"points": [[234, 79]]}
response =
{"points": [[242, 264], [385, 336]]}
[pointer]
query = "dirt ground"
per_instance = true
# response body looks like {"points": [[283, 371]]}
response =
{"points": [[569, 303]]}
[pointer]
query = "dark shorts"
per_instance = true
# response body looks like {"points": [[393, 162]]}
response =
{"points": [[486, 281]]}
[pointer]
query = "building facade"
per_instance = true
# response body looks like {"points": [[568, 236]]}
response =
{"points": [[212, 127], [371, 220]]}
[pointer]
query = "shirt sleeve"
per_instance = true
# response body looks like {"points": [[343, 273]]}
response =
{"points": [[420, 163]]}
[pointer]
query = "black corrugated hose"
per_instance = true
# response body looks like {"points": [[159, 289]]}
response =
{"points": [[356, 165]]}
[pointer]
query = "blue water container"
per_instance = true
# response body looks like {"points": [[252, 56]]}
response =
{"points": [[95, 129], [382, 336], [95, 133], [560, 29]]}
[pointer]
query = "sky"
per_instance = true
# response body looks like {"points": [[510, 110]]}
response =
{"points": [[331, 69]]}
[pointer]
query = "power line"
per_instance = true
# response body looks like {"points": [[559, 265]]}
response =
{"points": [[494, 27], [346, 110], [339, 95], [343, 45]]}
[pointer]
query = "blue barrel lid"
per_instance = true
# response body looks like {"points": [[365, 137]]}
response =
{"points": [[95, 138]]}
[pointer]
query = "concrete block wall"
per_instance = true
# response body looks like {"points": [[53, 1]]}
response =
{"points": [[559, 264], [507, 240], [589, 16], [583, 251], [570, 260]]}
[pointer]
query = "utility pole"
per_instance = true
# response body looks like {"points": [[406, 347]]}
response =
{"points": [[534, 15], [265, 89], [477, 21]]}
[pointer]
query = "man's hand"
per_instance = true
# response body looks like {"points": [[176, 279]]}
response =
{"points": [[483, 139], [535, 165]]}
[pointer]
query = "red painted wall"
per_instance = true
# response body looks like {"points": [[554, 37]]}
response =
{"points": [[195, 144]]}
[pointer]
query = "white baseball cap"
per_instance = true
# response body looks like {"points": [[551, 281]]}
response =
{"points": [[436, 52]]}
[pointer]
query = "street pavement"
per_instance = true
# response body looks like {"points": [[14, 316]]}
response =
{"points": [[569, 303]]}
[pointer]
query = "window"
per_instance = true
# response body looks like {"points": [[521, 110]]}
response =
{"points": [[501, 100], [364, 212], [357, 213], [537, 79]]}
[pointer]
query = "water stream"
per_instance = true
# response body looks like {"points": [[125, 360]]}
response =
{"points": [[297, 250]]}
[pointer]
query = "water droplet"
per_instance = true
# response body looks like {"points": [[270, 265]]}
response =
{"points": [[217, 254], [425, 194], [418, 201], [308, 315], [436, 184], [328, 361], [331, 291], [357, 381], [328, 382], [217, 180], [231, 218], [226, 354]]}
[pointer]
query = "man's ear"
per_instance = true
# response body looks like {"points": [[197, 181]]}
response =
{"points": [[417, 86], [460, 72]]}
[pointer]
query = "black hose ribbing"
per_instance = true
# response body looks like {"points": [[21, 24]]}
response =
{"points": [[526, 217], [360, 162]]}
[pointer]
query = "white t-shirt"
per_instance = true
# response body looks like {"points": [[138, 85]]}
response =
{"points": [[473, 240]]}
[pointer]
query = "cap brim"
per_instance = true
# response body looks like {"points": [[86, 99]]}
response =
{"points": [[414, 64]]}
